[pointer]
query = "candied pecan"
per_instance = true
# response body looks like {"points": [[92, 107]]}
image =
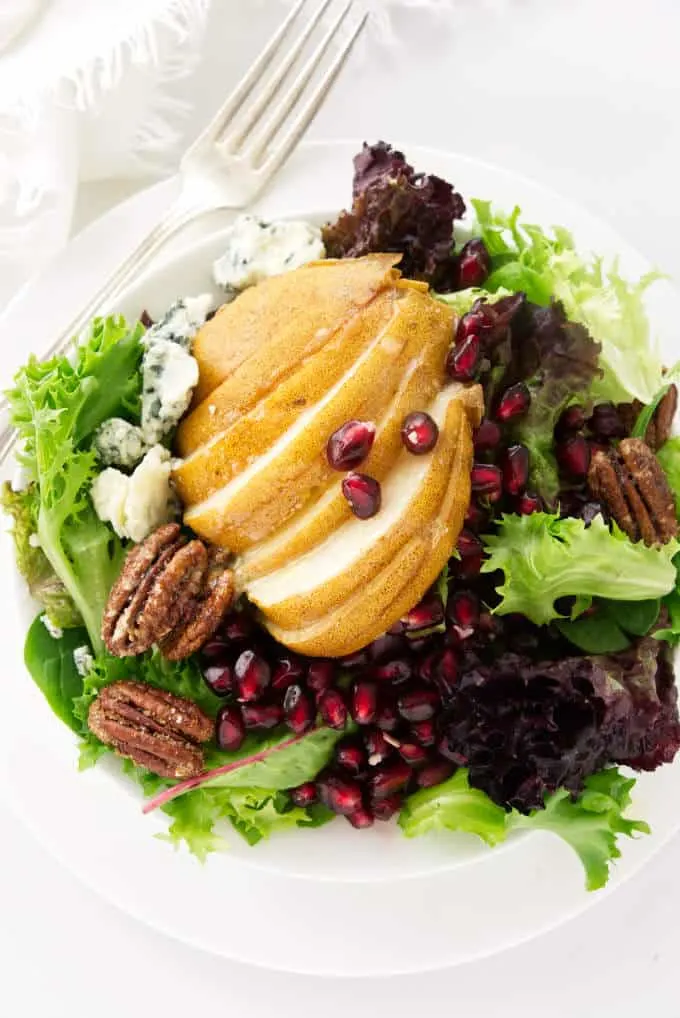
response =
{"points": [[187, 639], [171, 592], [659, 428], [630, 482], [153, 728]]}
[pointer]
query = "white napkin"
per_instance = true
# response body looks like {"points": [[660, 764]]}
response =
{"points": [[15, 17], [85, 93]]}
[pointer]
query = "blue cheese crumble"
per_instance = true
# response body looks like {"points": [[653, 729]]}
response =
{"points": [[119, 443], [181, 321], [56, 632], [83, 660], [169, 376], [135, 505], [257, 250]]}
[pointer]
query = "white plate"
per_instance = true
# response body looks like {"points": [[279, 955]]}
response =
{"points": [[333, 901]]}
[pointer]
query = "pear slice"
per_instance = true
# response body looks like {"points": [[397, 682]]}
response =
{"points": [[295, 471], [374, 607], [421, 381], [284, 314], [311, 586], [216, 462]]}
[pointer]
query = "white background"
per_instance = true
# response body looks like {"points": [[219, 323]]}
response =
{"points": [[582, 95]]}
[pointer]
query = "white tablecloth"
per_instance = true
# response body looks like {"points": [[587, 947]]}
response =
{"points": [[583, 95]]}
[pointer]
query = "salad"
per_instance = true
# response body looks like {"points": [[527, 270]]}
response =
{"points": [[390, 534]]}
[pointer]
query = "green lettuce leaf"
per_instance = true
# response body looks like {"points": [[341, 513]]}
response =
{"points": [[544, 558], [669, 458], [43, 584], [56, 406], [610, 625], [546, 265], [590, 824]]}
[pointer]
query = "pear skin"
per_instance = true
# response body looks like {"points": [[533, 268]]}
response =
{"points": [[371, 610], [316, 583], [295, 471], [216, 462], [285, 313]]}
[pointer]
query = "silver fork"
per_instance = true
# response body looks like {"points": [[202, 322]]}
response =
{"points": [[231, 161]]}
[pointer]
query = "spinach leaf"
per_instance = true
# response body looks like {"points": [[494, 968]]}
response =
{"points": [[52, 668]]}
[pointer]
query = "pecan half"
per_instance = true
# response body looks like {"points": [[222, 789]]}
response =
{"points": [[660, 426], [171, 592], [151, 727], [630, 482]]}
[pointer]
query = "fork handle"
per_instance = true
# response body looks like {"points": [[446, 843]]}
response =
{"points": [[176, 217]]}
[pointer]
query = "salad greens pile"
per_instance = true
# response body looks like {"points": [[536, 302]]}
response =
{"points": [[568, 672]]}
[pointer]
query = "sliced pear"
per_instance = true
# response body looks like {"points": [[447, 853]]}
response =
{"points": [[285, 313], [372, 609], [295, 471], [314, 584], [218, 461]]}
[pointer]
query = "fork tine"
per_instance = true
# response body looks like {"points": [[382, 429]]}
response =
{"points": [[257, 150], [298, 127], [245, 86], [234, 142]]}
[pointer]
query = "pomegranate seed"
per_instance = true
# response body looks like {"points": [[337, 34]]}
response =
{"points": [[528, 503], [339, 794], [389, 778], [219, 679], [364, 702], [427, 613], [516, 469], [435, 773], [418, 704], [387, 718], [513, 403], [474, 264], [571, 419], [424, 732], [287, 671], [359, 659], [384, 809], [361, 818], [252, 675], [351, 755], [477, 321], [469, 566], [419, 433], [573, 457], [487, 436], [320, 675], [214, 650], [333, 709], [486, 479], [298, 710], [363, 494], [475, 516], [262, 715], [426, 666], [386, 647], [229, 727], [606, 422], [377, 747], [463, 359], [350, 444], [304, 795], [413, 754], [463, 609], [468, 544], [394, 672], [445, 675], [238, 626]]}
